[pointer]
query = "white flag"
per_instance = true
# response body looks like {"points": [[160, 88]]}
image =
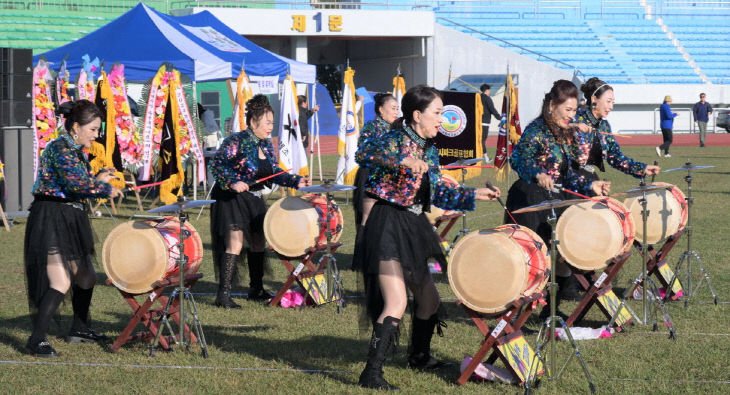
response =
{"points": [[292, 156], [348, 133]]}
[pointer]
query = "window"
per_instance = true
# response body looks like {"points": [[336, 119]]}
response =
{"points": [[211, 101]]}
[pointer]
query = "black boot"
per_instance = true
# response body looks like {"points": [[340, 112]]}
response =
{"points": [[571, 290], [227, 266], [420, 357], [80, 331], [545, 313], [37, 344], [256, 275], [381, 343]]}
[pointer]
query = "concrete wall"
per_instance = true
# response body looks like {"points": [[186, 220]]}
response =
{"points": [[469, 55]]}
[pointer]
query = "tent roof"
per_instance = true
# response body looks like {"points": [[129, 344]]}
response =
{"points": [[143, 38], [234, 42]]}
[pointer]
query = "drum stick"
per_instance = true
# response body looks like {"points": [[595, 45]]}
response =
{"points": [[266, 178], [468, 167], [499, 200], [154, 184], [582, 195], [656, 163]]}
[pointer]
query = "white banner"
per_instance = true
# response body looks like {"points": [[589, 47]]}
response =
{"points": [[148, 129], [267, 85], [292, 156], [194, 146], [347, 138]]}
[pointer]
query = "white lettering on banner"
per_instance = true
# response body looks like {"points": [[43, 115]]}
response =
{"points": [[498, 329], [194, 146], [147, 131], [600, 280]]}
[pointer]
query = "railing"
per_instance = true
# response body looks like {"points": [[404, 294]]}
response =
{"points": [[679, 111], [517, 48], [526, 9]]}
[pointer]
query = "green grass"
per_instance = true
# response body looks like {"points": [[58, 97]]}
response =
{"points": [[289, 341]]}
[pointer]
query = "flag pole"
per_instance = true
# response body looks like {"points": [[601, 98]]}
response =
{"points": [[448, 85], [509, 121]]}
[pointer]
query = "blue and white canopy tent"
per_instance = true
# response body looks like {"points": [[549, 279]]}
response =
{"points": [[203, 48]]}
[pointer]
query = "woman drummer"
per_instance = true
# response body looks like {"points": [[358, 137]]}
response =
{"points": [[398, 239], [386, 112], [548, 154], [59, 242], [601, 141], [237, 216]]}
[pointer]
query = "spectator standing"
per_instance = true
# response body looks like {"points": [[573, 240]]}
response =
{"points": [[304, 114], [667, 123], [702, 110], [489, 110]]}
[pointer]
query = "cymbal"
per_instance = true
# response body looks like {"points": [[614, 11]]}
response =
{"points": [[640, 190], [180, 206], [327, 188], [466, 162], [688, 167], [547, 204]]}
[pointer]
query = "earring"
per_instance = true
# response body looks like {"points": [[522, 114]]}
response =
{"points": [[550, 111], [75, 137]]}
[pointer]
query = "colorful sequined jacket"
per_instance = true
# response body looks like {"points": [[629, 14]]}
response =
{"points": [[396, 184], [237, 160], [539, 152], [609, 148], [64, 172], [372, 130]]}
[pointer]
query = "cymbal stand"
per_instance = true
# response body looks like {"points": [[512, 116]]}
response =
{"points": [[689, 255], [335, 288], [547, 329], [463, 231], [646, 281], [185, 296]]}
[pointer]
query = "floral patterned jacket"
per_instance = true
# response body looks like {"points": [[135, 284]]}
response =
{"points": [[371, 130], [237, 160], [539, 152], [64, 172], [396, 184], [609, 148]]}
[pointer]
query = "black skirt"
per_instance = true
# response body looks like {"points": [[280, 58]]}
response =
{"points": [[358, 196], [54, 227], [394, 233], [234, 212], [522, 194]]}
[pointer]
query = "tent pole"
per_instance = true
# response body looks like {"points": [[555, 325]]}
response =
{"points": [[195, 168]]}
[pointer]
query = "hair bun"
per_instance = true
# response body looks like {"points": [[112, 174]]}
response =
{"points": [[66, 108], [258, 100]]}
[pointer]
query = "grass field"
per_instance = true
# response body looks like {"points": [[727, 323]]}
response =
{"points": [[273, 350]]}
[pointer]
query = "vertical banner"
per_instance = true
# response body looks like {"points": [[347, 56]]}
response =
{"points": [[244, 93], [348, 133], [460, 133], [292, 156], [510, 121], [399, 89]]}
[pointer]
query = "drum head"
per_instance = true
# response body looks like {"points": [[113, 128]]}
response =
{"points": [[291, 226], [487, 271], [590, 235], [664, 219], [134, 256]]}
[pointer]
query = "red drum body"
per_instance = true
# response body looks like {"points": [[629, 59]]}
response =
{"points": [[294, 224], [490, 268], [592, 233], [138, 253], [667, 213]]}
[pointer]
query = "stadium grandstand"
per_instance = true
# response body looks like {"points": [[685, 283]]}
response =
{"points": [[650, 47], [642, 41]]}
